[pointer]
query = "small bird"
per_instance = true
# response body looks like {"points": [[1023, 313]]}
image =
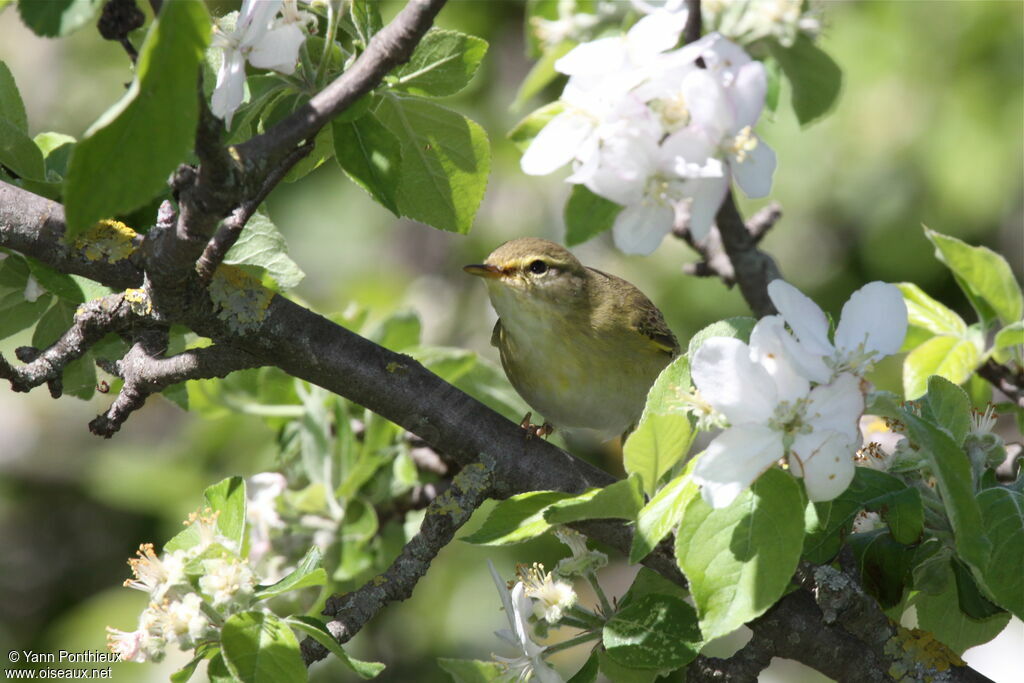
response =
{"points": [[581, 347]]}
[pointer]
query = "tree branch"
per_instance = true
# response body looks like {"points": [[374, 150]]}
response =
{"points": [[1007, 379], [753, 268], [445, 515]]}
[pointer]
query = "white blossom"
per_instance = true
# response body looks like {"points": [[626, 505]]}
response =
{"points": [[262, 38], [132, 646], [33, 290], [156, 575], [181, 621], [552, 596], [518, 609], [263, 491], [227, 581]]}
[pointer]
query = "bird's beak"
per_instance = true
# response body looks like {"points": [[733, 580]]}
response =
{"points": [[484, 270]]}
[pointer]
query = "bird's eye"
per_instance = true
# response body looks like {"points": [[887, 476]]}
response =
{"points": [[538, 267]]}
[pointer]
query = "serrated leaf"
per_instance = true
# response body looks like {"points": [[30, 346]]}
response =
{"points": [[952, 471], [621, 500], [661, 515], [655, 446], [316, 630], [371, 156], [954, 358], [52, 18], [653, 632], [307, 573], [11, 106], [984, 276], [446, 160], [884, 565], [738, 328], [517, 519], [814, 77], [19, 154], [941, 615], [587, 215], [259, 648], [948, 407], [471, 670], [929, 314], [125, 158], [1010, 336], [1002, 512], [739, 559], [872, 490], [262, 245], [443, 64]]}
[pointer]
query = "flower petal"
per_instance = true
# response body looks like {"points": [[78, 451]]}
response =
{"points": [[278, 49], [557, 143], [875, 316], [654, 34], [734, 459], [748, 94], [601, 56], [707, 195], [754, 173], [768, 347], [730, 381], [802, 315], [837, 406], [230, 89], [826, 460], [640, 228]]}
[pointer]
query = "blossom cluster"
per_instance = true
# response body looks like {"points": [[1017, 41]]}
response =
{"points": [[268, 35], [657, 129], [793, 393], [179, 608]]}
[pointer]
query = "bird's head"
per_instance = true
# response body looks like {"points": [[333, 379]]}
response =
{"points": [[529, 273]]}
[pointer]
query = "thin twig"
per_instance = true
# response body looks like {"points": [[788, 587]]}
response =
{"points": [[117, 20], [1007, 379]]}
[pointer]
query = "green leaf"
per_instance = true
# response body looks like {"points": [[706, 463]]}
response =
{"points": [[54, 18], [262, 245], [947, 406], [739, 559], [738, 328], [587, 215], [471, 670], [941, 615], [874, 490], [183, 674], [814, 77], [1002, 512], [1010, 336], [258, 647], [112, 171], [952, 470], [951, 357], [884, 565], [78, 376], [308, 573], [11, 106], [653, 632], [316, 630], [399, 331], [323, 149], [541, 73], [621, 500], [661, 515], [624, 674], [526, 130], [446, 159], [366, 18], [973, 602], [371, 156], [517, 519], [17, 314], [443, 64], [655, 446], [647, 582], [226, 499], [56, 149], [588, 672], [927, 313], [983, 275], [19, 154], [217, 670]]}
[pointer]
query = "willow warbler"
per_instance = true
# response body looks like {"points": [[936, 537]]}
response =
{"points": [[581, 347]]}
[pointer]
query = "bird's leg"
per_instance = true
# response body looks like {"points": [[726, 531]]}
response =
{"points": [[533, 430]]}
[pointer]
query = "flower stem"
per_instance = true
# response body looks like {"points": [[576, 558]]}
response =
{"points": [[572, 642], [606, 607]]}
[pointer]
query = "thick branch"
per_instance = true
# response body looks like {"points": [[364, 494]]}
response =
{"points": [[1007, 379], [753, 268], [445, 515]]}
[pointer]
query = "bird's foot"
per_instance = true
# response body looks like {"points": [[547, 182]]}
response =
{"points": [[533, 430]]}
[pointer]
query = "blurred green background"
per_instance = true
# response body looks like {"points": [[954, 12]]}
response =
{"points": [[928, 130]]}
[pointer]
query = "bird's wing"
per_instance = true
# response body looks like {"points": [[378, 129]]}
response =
{"points": [[496, 334], [644, 316]]}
